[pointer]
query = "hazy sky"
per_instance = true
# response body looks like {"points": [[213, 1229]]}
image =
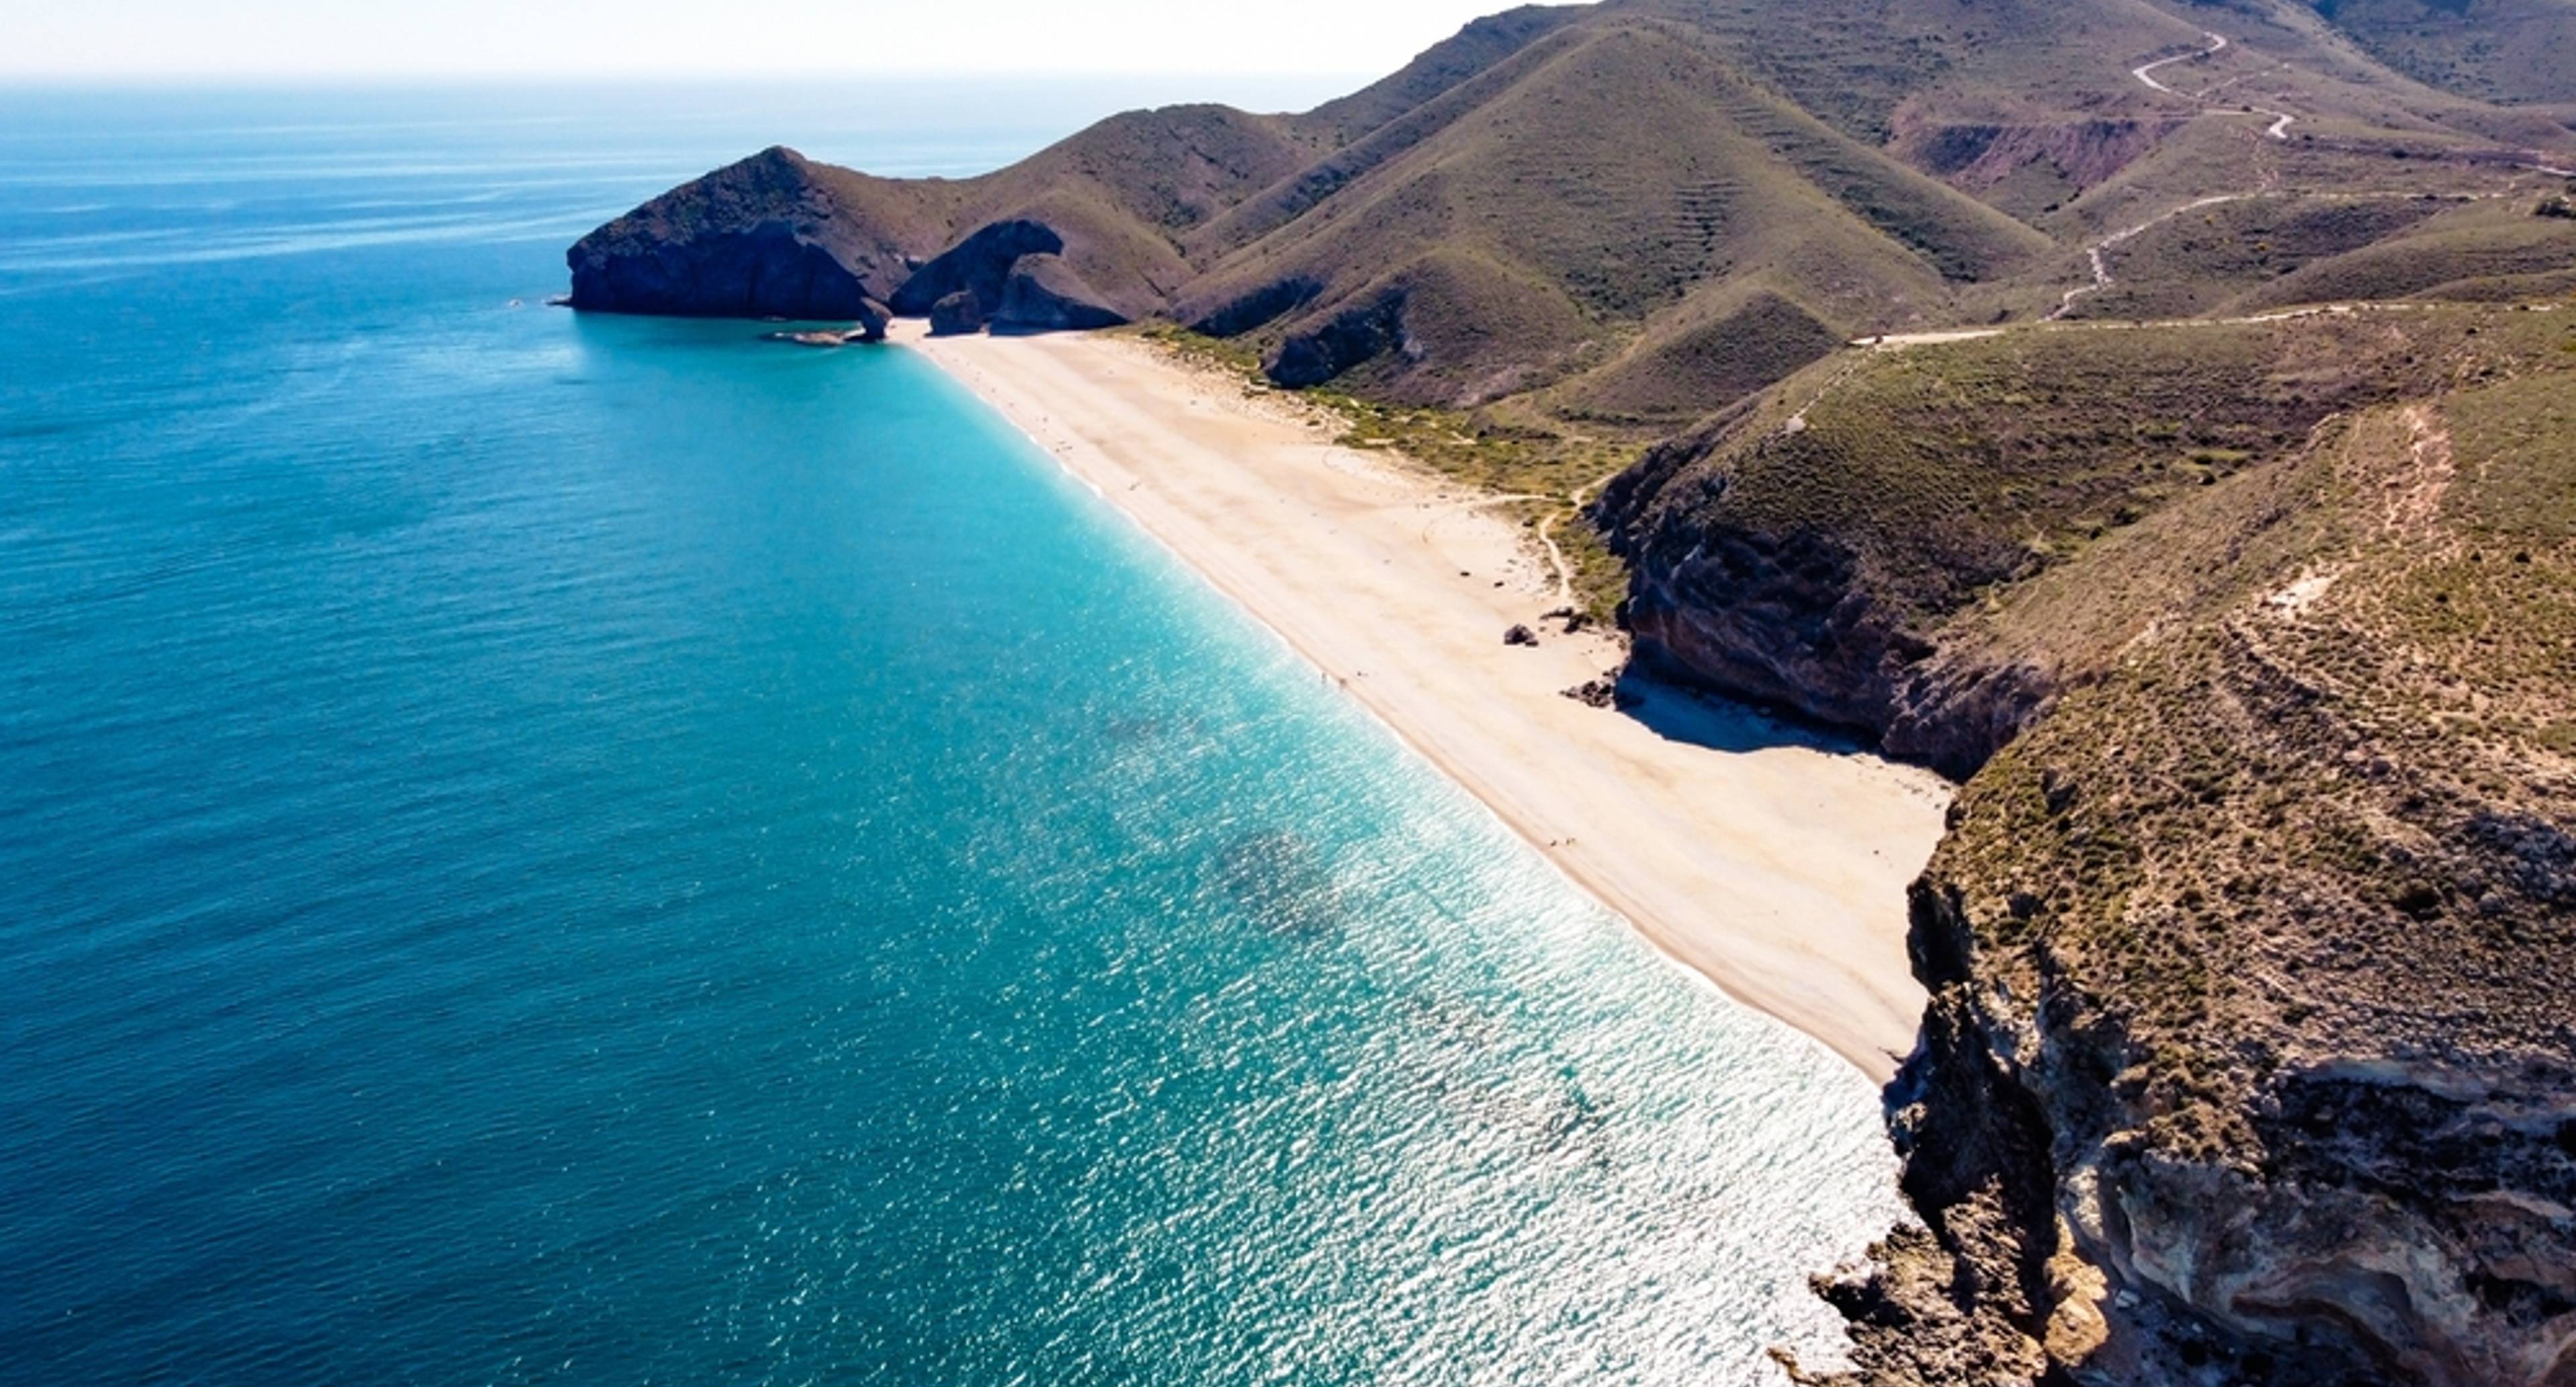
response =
{"points": [[358, 38]]}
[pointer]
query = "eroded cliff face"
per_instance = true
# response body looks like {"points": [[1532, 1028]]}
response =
{"points": [[771, 237], [1870, 546], [780, 236], [1788, 620], [2251, 1057], [1011, 275], [1795, 615], [2199, 1191]]}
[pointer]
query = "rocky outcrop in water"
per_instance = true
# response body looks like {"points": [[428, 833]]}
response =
{"points": [[827, 337], [770, 237]]}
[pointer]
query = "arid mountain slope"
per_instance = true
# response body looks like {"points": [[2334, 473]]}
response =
{"points": [[1540, 210], [2248, 1054], [1628, 214], [2509, 51], [1840, 551]]}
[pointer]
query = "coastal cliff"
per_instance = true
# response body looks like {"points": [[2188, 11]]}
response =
{"points": [[2249, 1058], [1078, 236], [774, 236]]}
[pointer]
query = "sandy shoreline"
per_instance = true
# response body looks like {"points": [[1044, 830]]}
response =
{"points": [[1775, 868]]}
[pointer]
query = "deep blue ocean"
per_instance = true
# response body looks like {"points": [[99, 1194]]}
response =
{"points": [[546, 848]]}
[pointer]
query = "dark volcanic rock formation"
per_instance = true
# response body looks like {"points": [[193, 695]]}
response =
{"points": [[779, 235], [1044, 294], [981, 264], [1361, 332], [1789, 616], [957, 314], [1014, 276], [770, 237]]}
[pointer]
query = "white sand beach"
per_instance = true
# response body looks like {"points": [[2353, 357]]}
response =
{"points": [[1775, 866]]}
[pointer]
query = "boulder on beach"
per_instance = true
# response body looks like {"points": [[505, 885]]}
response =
{"points": [[957, 315]]}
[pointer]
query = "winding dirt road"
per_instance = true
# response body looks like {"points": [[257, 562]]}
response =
{"points": [[2281, 120], [2096, 253]]}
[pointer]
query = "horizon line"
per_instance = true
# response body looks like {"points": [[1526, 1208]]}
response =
{"points": [[517, 76]]}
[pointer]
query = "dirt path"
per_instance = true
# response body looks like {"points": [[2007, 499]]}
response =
{"points": [[2281, 120], [1556, 559], [1575, 501], [1556, 555], [2097, 252], [2097, 260]]}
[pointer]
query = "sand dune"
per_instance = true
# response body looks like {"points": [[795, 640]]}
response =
{"points": [[1773, 863]]}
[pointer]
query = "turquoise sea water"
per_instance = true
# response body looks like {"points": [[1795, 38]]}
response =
{"points": [[540, 848]]}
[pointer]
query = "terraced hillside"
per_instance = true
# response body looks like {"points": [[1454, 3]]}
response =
{"points": [[1427, 275]]}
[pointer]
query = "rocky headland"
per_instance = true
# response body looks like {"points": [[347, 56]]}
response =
{"points": [[764, 238], [1080, 236], [779, 236]]}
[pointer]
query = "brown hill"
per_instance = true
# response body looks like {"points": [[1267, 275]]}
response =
{"points": [[2252, 639], [1630, 213], [1108, 205], [1541, 195], [2512, 51], [776, 235]]}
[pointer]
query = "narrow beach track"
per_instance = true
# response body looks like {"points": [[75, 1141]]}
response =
{"points": [[1575, 501]]}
